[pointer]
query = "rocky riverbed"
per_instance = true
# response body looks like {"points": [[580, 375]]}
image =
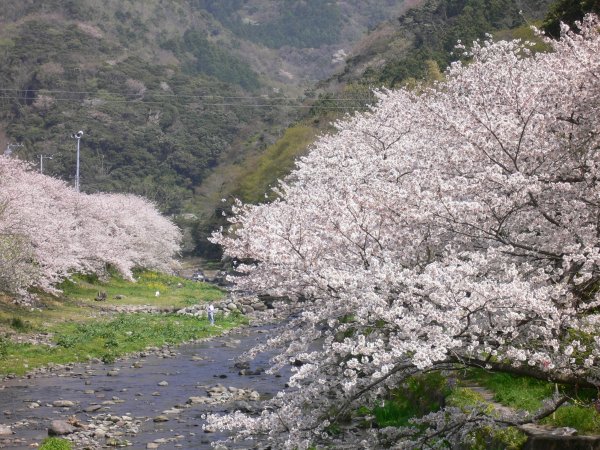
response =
{"points": [[154, 400]]}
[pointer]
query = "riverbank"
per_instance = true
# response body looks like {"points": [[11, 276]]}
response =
{"points": [[116, 336], [147, 400], [103, 320]]}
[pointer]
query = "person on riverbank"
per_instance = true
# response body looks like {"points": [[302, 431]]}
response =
{"points": [[211, 313]]}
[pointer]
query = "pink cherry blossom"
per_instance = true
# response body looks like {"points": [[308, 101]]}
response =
{"points": [[48, 231], [455, 226]]}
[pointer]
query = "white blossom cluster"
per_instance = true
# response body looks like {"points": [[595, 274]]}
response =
{"points": [[49, 231], [459, 225]]}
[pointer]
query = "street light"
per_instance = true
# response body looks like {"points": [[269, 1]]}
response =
{"points": [[78, 137], [42, 157]]}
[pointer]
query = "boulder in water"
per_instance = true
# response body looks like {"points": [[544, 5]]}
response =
{"points": [[60, 428]]}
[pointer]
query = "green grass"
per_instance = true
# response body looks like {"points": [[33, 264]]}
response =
{"points": [[416, 397], [49, 310], [583, 418], [80, 332], [529, 394], [54, 443], [109, 339], [274, 163], [421, 395], [394, 413], [174, 291], [509, 438], [464, 398], [515, 391]]}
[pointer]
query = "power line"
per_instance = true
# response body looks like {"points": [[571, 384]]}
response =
{"points": [[161, 94], [157, 102]]}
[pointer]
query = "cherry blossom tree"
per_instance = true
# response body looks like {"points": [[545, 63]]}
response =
{"points": [[454, 227], [145, 238], [49, 231], [15, 259]]}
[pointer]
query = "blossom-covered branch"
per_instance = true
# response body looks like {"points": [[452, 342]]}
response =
{"points": [[459, 225]]}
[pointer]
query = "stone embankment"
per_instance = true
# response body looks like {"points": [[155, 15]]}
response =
{"points": [[547, 438]]}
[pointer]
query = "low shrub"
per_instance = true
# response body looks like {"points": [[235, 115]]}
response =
{"points": [[3, 347], [19, 324], [488, 438], [415, 398]]}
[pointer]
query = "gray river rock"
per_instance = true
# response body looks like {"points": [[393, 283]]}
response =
{"points": [[152, 401]]}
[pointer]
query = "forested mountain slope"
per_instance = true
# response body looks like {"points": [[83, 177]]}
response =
{"points": [[141, 79], [409, 46], [415, 46], [161, 88], [310, 37]]}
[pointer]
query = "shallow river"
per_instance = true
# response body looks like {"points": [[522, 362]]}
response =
{"points": [[136, 392]]}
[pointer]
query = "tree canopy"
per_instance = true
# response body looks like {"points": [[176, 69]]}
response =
{"points": [[452, 227], [49, 231]]}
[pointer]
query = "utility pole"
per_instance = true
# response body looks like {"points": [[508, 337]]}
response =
{"points": [[78, 137], [42, 157]]}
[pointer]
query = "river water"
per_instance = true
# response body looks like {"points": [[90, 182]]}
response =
{"points": [[136, 392]]}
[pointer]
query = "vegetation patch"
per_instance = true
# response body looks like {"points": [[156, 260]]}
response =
{"points": [[75, 330], [528, 394], [416, 397], [584, 419], [464, 398], [277, 161], [514, 391], [173, 291], [109, 339], [54, 443]]}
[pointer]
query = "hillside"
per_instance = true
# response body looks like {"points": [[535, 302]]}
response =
{"points": [[310, 39], [141, 80], [416, 45], [164, 91], [423, 39]]}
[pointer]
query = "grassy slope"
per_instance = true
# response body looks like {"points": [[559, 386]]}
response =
{"points": [[174, 291], [527, 394], [78, 330], [275, 163]]}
